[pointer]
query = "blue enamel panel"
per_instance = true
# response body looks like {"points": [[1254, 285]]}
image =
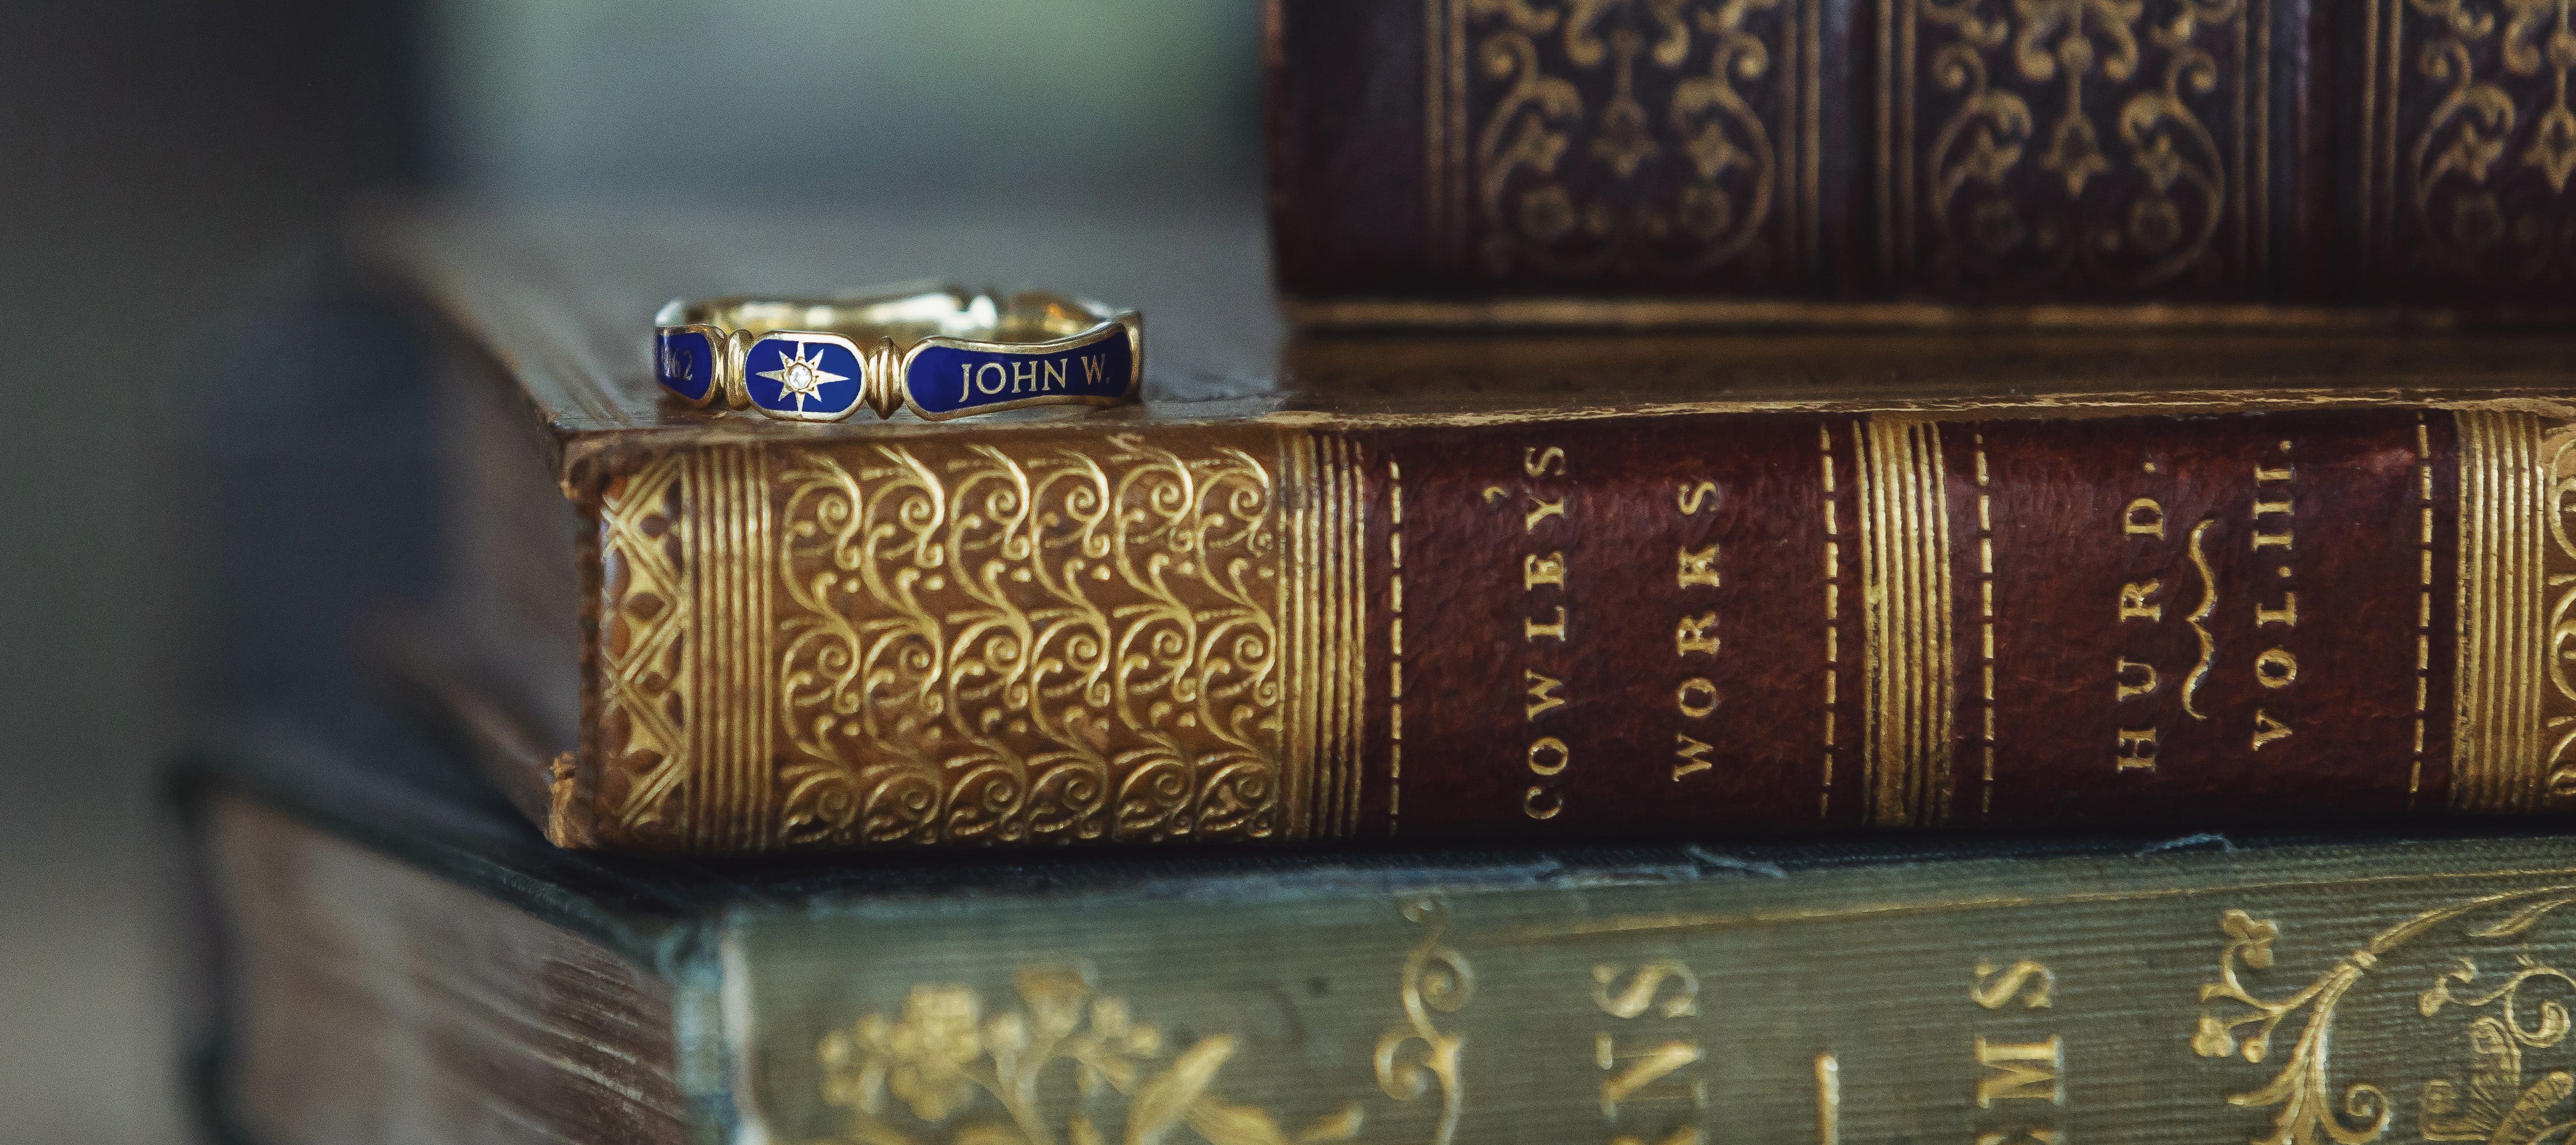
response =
{"points": [[945, 380], [787, 375], [685, 361]]}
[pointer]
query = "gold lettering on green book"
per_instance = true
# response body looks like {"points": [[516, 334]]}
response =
{"points": [[1652, 1060], [2014, 1069], [2020, 1071], [2026, 980], [1664, 985]]}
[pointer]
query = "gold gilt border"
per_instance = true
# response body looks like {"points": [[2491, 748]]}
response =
{"points": [[2516, 717], [1909, 675], [1322, 622], [685, 652], [1011, 640], [1444, 130], [736, 559], [2378, 199]]}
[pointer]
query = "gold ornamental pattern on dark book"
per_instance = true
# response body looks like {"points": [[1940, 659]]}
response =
{"points": [[2001, 117], [2024, 150], [942, 641], [2467, 144], [1266, 632], [1645, 140]]}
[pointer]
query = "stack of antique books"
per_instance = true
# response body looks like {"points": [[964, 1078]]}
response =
{"points": [[1794, 569]]}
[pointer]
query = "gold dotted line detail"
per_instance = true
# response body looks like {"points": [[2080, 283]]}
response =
{"points": [[1394, 644], [2423, 600], [1833, 616], [1986, 611]]}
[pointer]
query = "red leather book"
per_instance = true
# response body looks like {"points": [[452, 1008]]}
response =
{"points": [[1493, 588], [1540, 588], [1643, 161]]}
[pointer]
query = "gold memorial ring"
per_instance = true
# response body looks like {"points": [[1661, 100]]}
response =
{"points": [[941, 353]]}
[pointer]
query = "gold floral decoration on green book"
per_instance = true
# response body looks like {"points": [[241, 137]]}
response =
{"points": [[943, 1059], [950, 1065], [2500, 1100]]}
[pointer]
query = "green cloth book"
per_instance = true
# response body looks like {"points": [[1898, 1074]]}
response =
{"points": [[403, 958]]}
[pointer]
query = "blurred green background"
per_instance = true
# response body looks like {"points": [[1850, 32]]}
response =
{"points": [[183, 425], [813, 101]]}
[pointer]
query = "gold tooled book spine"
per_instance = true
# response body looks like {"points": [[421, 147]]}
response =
{"points": [[1199, 632], [1142, 636]]}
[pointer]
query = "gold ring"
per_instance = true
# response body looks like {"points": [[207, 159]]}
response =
{"points": [[941, 353]]}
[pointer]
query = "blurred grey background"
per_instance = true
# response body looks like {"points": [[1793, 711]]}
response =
{"points": [[211, 441]]}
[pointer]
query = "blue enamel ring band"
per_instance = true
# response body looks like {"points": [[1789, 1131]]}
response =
{"points": [[940, 353]]}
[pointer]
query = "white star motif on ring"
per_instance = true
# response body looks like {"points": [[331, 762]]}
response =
{"points": [[801, 376]]}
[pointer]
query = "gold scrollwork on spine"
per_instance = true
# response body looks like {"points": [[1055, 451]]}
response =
{"points": [[2557, 780], [684, 649], [1909, 677], [2515, 729], [1051, 644], [2198, 619], [1013, 640], [1624, 138], [2498, 1104]]}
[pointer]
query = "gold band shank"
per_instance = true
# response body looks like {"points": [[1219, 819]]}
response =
{"points": [[907, 316]]}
